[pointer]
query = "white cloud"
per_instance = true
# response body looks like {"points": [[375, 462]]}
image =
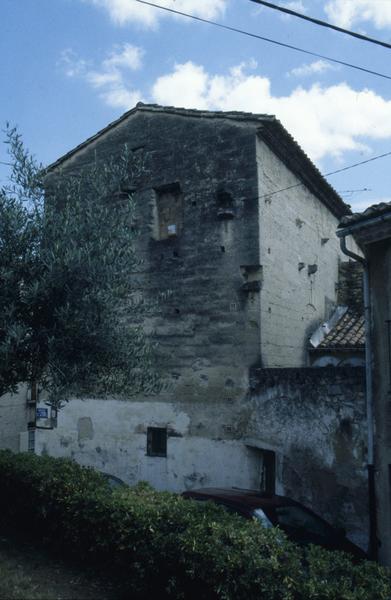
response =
{"points": [[121, 97], [128, 11], [187, 86], [72, 65], [347, 13], [295, 5], [126, 57], [324, 120], [314, 68], [112, 76]]}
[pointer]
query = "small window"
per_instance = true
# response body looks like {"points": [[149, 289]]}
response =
{"points": [[168, 212], [157, 441], [31, 440], [225, 204]]}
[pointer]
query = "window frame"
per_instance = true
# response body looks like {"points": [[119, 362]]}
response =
{"points": [[155, 447]]}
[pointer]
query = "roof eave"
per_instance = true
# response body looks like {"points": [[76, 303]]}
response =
{"points": [[337, 349], [364, 224], [279, 140]]}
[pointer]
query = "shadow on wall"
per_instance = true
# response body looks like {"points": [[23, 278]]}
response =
{"points": [[332, 491]]}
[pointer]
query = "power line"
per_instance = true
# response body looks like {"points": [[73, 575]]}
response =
{"points": [[354, 191], [265, 39], [362, 162], [323, 23], [295, 185]]}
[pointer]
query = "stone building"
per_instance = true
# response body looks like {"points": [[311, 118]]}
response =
{"points": [[238, 229], [372, 230]]}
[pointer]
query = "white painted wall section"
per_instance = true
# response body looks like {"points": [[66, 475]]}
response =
{"points": [[300, 254], [111, 436]]}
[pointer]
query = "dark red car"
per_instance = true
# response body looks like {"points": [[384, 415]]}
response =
{"points": [[300, 524]]}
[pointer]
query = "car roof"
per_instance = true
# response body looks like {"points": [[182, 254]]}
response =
{"points": [[245, 498]]}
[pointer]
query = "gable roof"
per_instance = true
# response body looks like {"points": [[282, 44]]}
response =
{"points": [[269, 129]]}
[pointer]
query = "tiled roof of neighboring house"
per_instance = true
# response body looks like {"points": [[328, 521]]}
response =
{"points": [[368, 227], [347, 334], [376, 210], [270, 130]]}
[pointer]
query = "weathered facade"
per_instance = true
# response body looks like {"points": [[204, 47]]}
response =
{"points": [[372, 229], [238, 231], [315, 422], [307, 426]]}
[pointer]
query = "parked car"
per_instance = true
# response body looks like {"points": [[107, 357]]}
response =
{"points": [[113, 481], [300, 524]]}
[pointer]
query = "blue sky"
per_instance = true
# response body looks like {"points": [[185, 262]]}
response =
{"points": [[69, 67]]}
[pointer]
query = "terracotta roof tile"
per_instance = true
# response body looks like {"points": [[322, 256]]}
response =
{"points": [[348, 333]]}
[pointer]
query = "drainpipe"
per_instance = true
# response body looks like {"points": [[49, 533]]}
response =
{"points": [[373, 542]]}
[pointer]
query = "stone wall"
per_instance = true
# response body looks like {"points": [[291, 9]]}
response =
{"points": [[313, 419], [249, 276], [207, 326]]}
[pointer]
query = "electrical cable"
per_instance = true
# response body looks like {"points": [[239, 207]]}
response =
{"points": [[265, 39], [322, 23], [290, 187], [363, 162], [354, 191]]}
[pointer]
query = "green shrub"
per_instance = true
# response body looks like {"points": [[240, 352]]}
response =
{"points": [[161, 545], [332, 576]]}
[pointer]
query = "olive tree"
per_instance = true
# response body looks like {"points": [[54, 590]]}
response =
{"points": [[68, 317]]}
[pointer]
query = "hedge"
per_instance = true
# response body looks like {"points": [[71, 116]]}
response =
{"points": [[162, 546]]}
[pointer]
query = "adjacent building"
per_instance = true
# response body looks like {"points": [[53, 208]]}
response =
{"points": [[372, 230]]}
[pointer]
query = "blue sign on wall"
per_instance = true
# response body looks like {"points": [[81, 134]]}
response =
{"points": [[42, 413]]}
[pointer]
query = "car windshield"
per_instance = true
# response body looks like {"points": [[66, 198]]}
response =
{"points": [[262, 518], [296, 517]]}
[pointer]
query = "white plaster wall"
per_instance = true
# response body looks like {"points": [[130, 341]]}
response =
{"points": [[111, 436], [220, 443], [13, 419], [291, 227]]}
